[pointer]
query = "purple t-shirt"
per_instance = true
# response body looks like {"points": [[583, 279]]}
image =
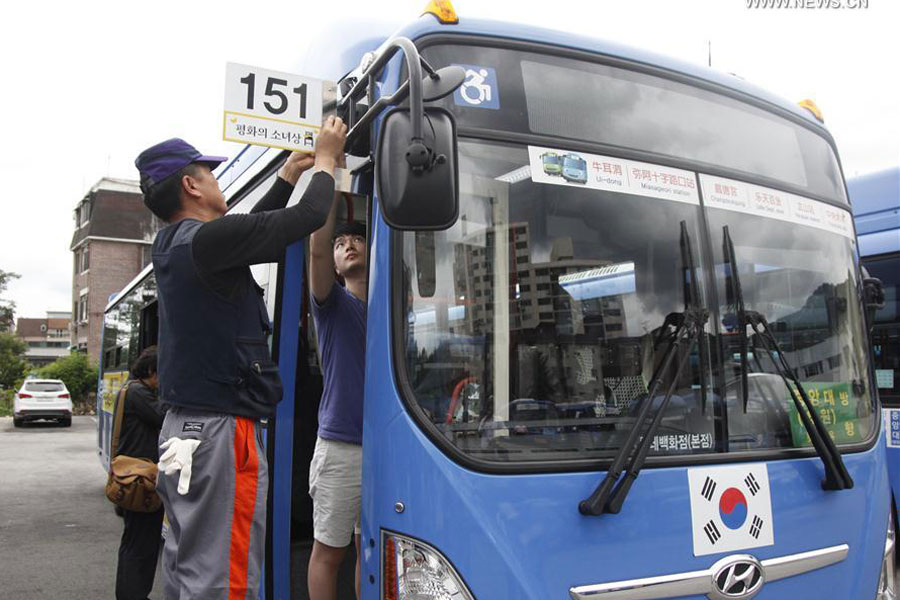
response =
{"points": [[341, 331]]}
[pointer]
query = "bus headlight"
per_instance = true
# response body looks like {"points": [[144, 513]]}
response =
{"points": [[413, 570], [887, 588]]}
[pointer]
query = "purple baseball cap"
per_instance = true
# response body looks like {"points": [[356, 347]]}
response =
{"points": [[158, 162]]}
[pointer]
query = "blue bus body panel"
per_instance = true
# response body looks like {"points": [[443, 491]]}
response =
{"points": [[881, 242], [281, 470], [876, 211], [876, 194]]}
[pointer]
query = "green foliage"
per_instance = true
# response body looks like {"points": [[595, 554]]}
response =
{"points": [[6, 403], [76, 371], [7, 307], [12, 362]]}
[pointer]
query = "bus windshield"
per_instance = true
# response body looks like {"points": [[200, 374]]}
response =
{"points": [[535, 336]]}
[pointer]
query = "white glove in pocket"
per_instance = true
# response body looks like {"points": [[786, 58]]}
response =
{"points": [[178, 456]]}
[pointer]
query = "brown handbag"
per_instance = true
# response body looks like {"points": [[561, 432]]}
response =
{"points": [[131, 483]]}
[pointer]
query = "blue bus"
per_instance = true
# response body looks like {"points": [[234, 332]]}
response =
{"points": [[876, 209], [574, 168], [653, 384]]}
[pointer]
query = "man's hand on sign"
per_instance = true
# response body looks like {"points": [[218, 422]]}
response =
{"points": [[295, 165], [330, 144]]}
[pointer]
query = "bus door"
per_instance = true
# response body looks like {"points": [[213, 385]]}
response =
{"points": [[291, 435]]}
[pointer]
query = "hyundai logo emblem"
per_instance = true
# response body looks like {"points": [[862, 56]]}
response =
{"points": [[738, 577]]}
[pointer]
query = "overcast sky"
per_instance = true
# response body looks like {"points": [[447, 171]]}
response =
{"points": [[88, 85]]}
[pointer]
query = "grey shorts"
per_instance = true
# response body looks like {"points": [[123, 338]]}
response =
{"points": [[335, 478]]}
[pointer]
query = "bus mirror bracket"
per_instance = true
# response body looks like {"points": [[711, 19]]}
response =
{"points": [[437, 84], [416, 167]]}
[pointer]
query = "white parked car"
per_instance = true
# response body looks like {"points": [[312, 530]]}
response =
{"points": [[42, 399]]}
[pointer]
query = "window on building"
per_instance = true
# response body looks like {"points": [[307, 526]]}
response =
{"points": [[85, 258], [83, 308], [84, 212]]}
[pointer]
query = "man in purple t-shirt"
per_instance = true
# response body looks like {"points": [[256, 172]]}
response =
{"points": [[336, 467]]}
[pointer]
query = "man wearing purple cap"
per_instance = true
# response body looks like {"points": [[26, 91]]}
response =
{"points": [[215, 370]]}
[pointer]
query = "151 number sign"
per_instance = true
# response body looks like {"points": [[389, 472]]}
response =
{"points": [[272, 108]]}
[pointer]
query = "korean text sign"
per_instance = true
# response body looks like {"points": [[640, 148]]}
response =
{"points": [[272, 108], [838, 409]]}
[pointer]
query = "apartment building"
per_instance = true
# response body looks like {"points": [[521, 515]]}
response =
{"points": [[110, 245], [47, 338]]}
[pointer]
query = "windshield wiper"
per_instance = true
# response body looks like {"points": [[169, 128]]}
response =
{"points": [[738, 297], [836, 475], [609, 496]]}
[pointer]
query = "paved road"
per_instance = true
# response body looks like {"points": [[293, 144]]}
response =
{"points": [[59, 536], [58, 533]]}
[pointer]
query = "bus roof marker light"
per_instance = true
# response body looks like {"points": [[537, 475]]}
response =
{"points": [[813, 108], [443, 11]]}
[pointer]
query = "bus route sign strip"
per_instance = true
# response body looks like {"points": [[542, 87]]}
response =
{"points": [[729, 194], [592, 171], [273, 108]]}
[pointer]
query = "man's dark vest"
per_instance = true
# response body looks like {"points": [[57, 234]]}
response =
{"points": [[212, 351]]}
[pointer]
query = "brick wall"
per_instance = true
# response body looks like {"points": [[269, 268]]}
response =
{"points": [[113, 265]]}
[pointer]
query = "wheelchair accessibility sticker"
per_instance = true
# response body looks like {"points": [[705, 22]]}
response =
{"points": [[479, 90]]}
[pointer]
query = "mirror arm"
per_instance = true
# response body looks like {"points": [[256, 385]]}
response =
{"points": [[383, 102], [428, 68], [367, 165]]}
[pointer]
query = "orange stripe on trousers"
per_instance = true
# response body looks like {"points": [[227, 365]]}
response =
{"points": [[246, 467]]}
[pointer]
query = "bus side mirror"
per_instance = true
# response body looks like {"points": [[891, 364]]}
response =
{"points": [[418, 180], [873, 298]]}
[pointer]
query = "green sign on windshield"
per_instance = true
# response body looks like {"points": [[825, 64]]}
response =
{"points": [[836, 407]]}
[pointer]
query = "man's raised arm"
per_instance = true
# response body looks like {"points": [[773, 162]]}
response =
{"points": [[321, 256], [259, 237]]}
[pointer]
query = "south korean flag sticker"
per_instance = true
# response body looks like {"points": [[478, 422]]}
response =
{"points": [[731, 508]]}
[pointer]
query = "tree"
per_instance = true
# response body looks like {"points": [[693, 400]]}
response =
{"points": [[7, 307], [76, 371], [12, 359]]}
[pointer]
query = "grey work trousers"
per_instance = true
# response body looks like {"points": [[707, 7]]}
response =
{"points": [[215, 544]]}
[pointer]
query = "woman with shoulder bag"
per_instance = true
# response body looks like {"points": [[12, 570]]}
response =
{"points": [[141, 422]]}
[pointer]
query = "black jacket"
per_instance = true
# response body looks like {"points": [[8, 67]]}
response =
{"points": [[141, 422], [213, 324]]}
